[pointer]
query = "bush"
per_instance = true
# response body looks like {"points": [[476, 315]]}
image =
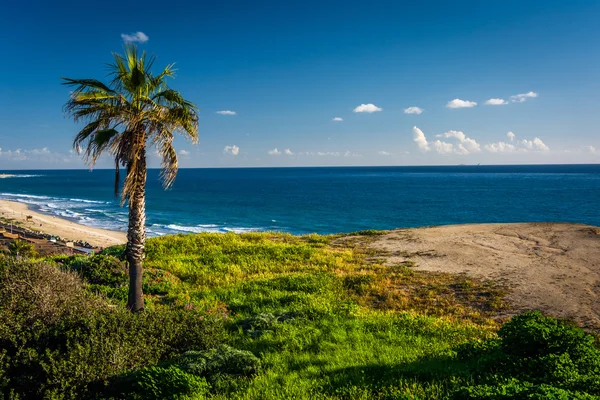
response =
{"points": [[59, 340], [551, 358], [158, 281], [223, 360], [515, 389], [98, 269], [20, 248], [265, 322], [158, 383]]}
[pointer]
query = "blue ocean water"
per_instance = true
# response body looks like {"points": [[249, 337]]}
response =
{"points": [[322, 200]]}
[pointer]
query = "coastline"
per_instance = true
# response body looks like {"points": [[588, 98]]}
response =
{"points": [[57, 226]]}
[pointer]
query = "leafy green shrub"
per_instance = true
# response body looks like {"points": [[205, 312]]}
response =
{"points": [[514, 389], [222, 360], [551, 358], [58, 340], [98, 269], [158, 383], [265, 322], [21, 248], [158, 281], [535, 335]]}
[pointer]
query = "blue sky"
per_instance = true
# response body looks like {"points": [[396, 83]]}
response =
{"points": [[288, 68]]}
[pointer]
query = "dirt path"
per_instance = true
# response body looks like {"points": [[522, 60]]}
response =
{"points": [[551, 267]]}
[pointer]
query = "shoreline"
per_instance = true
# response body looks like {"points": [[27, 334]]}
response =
{"points": [[57, 226]]}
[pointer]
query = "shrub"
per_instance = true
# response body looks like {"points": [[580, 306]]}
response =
{"points": [[552, 358], [222, 360], [98, 269], [265, 322], [20, 248], [158, 383], [514, 389], [59, 340], [158, 281]]}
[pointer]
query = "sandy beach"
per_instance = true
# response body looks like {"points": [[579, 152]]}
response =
{"points": [[58, 226], [553, 267]]}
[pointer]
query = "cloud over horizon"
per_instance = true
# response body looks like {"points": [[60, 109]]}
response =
{"points": [[523, 145], [466, 145], [233, 150], [420, 139]]}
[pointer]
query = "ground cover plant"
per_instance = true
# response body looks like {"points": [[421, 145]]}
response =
{"points": [[272, 316]]}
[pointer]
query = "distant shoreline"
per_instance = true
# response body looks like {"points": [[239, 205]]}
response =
{"points": [[56, 226], [428, 166]]}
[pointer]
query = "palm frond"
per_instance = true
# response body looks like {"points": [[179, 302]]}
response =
{"points": [[136, 108]]}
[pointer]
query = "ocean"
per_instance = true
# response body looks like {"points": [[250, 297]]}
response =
{"points": [[321, 200]]}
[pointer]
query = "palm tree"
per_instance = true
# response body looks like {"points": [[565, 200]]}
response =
{"points": [[20, 248], [134, 110]]}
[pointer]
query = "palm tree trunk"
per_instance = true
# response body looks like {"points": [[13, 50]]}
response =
{"points": [[136, 237]]}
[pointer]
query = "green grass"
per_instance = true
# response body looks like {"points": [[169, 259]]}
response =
{"points": [[321, 318], [359, 329]]}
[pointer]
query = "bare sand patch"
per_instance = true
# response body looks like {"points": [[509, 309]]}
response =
{"points": [[552, 267]]}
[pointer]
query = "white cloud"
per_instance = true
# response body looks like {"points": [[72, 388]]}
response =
{"points": [[443, 147], [320, 153], [40, 155], [348, 153], [384, 153], [591, 149], [226, 112], [466, 146], [184, 152], [519, 145], [454, 134], [277, 152], [413, 110], [458, 103], [535, 144], [500, 147], [495, 102], [368, 108], [233, 150], [420, 139], [337, 119], [139, 37], [520, 98]]}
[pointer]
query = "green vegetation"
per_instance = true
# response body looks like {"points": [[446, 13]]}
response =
{"points": [[275, 316], [20, 248], [136, 109]]}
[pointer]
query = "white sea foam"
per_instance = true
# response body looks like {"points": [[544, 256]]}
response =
{"points": [[106, 215], [24, 196], [9, 176], [88, 201]]}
